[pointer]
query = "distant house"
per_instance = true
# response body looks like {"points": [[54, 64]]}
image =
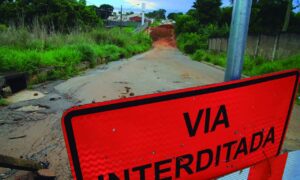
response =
{"points": [[137, 18], [115, 19]]}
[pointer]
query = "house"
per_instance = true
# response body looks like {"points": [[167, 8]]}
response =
{"points": [[137, 18]]}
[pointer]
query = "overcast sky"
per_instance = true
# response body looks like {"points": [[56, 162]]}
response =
{"points": [[169, 5]]}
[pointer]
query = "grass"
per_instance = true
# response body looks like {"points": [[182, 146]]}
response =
{"points": [[252, 66], [298, 97], [22, 50], [3, 102], [196, 46], [157, 22]]}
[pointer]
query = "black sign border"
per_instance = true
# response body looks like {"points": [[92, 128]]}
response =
{"points": [[67, 120]]}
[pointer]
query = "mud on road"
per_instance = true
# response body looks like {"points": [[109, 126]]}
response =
{"points": [[163, 36], [32, 129]]}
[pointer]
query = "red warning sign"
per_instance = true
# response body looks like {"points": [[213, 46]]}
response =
{"points": [[196, 133]]}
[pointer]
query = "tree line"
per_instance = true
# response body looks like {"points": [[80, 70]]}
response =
{"points": [[207, 18], [157, 14], [56, 15], [268, 17]]}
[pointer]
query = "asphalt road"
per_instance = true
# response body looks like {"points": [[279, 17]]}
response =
{"points": [[160, 69]]}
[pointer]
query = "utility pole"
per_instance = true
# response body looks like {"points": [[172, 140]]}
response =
{"points": [[238, 39], [121, 20], [143, 13]]}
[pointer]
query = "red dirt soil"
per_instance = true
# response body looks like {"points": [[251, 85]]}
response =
{"points": [[163, 35]]}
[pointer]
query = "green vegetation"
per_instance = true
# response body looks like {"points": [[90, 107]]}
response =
{"points": [[157, 22], [189, 42], [252, 66], [157, 14], [22, 50], [208, 19], [62, 15], [174, 16], [104, 11], [298, 99], [3, 102], [53, 39]]}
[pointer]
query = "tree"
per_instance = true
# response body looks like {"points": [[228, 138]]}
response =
{"points": [[173, 16], [159, 14], [268, 16], [186, 24], [83, 2], [104, 11], [192, 12], [208, 11], [129, 13], [59, 15], [288, 14], [288, 10], [226, 14], [294, 25]]}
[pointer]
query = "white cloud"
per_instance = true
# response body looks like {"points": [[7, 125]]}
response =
{"points": [[137, 3]]}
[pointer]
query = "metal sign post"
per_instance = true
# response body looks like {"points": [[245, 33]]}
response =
{"points": [[238, 39], [143, 13]]}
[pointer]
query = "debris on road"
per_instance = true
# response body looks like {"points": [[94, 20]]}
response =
{"points": [[25, 95], [17, 137], [20, 164], [127, 89], [121, 82], [123, 97], [46, 174], [32, 108], [54, 98], [6, 91], [163, 36]]}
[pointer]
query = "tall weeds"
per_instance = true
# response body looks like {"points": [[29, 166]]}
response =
{"points": [[30, 50]]}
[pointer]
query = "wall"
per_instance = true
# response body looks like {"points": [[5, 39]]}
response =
{"points": [[269, 47]]}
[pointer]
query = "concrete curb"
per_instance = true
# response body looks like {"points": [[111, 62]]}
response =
{"points": [[219, 67]]}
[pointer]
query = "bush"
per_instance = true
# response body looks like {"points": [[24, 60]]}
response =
{"points": [[114, 36], [186, 24], [213, 30], [3, 27], [87, 54], [191, 42], [199, 55], [156, 23], [3, 102], [31, 63], [113, 52]]}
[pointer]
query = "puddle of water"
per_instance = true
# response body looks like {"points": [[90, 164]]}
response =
{"points": [[25, 95]]}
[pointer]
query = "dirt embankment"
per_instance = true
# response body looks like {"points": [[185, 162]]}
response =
{"points": [[163, 35]]}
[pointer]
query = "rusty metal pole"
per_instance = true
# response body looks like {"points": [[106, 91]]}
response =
{"points": [[238, 39]]}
